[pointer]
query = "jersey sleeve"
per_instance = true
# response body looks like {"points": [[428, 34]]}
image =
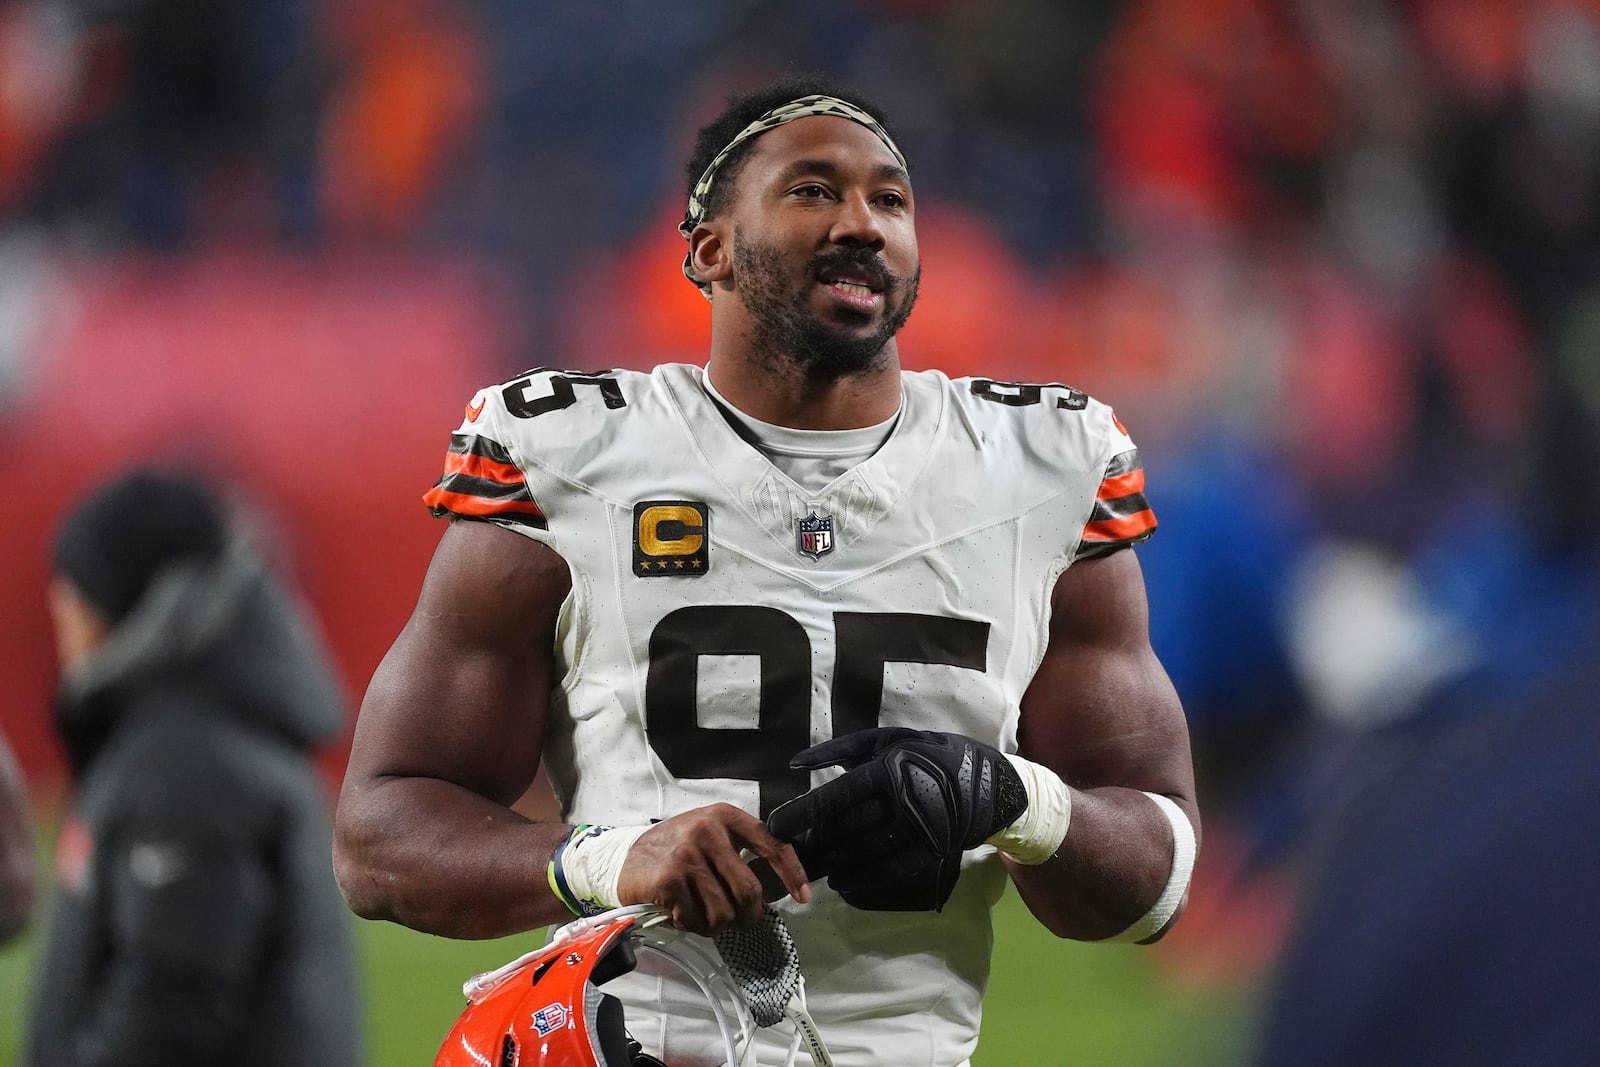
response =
{"points": [[481, 480], [1121, 516]]}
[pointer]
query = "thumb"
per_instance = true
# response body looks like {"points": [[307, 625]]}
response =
{"points": [[851, 750], [790, 820]]}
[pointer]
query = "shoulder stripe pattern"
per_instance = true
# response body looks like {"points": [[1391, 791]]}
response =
{"points": [[1121, 516], [481, 482]]}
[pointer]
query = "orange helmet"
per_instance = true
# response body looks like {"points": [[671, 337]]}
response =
{"points": [[546, 1009]]}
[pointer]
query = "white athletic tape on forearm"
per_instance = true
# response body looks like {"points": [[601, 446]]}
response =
{"points": [[592, 862], [1183, 853], [1038, 833]]}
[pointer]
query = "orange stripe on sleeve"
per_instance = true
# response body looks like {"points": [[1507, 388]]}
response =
{"points": [[1122, 485], [481, 467], [1124, 529], [463, 504]]}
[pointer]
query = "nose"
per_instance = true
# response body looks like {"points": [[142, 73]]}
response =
{"points": [[857, 224]]}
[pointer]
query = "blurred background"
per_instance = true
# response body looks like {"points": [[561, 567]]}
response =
{"points": [[1336, 263]]}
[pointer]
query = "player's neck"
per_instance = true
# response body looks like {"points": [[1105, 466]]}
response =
{"points": [[784, 395]]}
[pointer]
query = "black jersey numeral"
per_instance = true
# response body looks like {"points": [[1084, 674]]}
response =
{"points": [[866, 641], [690, 750], [1026, 394], [562, 394]]}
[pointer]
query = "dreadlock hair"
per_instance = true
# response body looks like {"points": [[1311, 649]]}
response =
{"points": [[742, 109]]}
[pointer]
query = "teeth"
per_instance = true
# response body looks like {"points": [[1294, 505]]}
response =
{"points": [[854, 288]]}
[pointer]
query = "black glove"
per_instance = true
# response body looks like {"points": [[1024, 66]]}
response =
{"points": [[888, 835]]}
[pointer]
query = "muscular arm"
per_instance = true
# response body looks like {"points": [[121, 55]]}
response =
{"points": [[449, 738], [1102, 714]]}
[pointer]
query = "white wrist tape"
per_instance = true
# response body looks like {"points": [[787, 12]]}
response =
{"points": [[1039, 831], [591, 862], [1183, 853]]}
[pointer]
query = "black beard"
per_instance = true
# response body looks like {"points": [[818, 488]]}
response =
{"points": [[785, 329]]}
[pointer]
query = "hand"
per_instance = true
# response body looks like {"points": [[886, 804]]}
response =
{"points": [[888, 834], [690, 864]]}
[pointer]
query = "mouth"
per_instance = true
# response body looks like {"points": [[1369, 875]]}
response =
{"points": [[856, 280], [852, 288], [856, 286]]}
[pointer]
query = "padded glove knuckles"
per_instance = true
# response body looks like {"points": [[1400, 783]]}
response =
{"points": [[889, 833]]}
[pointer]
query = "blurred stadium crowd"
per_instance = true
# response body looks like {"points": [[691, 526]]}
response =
{"points": [[1336, 264]]}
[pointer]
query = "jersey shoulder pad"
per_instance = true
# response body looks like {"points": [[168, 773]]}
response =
{"points": [[1069, 438], [1056, 427], [536, 421]]}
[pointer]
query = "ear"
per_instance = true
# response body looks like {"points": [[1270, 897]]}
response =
{"points": [[80, 627], [710, 254]]}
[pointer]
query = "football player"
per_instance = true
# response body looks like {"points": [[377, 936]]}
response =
{"points": [[878, 631]]}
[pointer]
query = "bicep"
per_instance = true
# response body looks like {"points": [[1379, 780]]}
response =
{"points": [[462, 694], [1101, 711]]}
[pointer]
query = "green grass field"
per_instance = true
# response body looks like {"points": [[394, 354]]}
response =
{"points": [[1051, 1003]]}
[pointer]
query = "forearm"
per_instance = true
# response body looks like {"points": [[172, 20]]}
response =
{"points": [[1111, 868], [441, 859]]}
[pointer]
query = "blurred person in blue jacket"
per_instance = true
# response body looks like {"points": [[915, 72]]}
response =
{"points": [[196, 920], [1447, 914]]}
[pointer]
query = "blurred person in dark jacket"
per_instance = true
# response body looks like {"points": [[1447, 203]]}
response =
{"points": [[16, 848], [196, 919]]}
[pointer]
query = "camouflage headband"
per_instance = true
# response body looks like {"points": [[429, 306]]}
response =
{"points": [[804, 107]]}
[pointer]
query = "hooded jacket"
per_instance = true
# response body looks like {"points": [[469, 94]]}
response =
{"points": [[196, 919]]}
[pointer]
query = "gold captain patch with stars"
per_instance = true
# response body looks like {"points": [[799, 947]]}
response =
{"points": [[671, 537]]}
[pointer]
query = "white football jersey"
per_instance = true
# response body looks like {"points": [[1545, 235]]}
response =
{"points": [[722, 619]]}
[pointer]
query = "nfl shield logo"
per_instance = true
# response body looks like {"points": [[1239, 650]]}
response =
{"points": [[816, 535], [550, 1018]]}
